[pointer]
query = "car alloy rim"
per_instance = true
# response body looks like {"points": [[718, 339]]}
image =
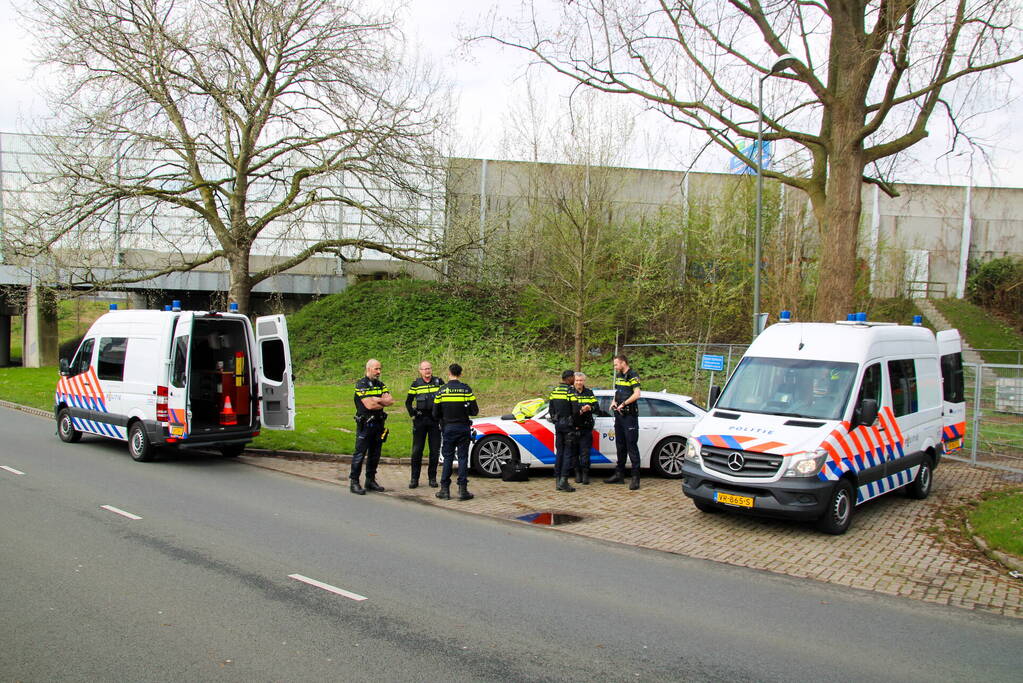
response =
{"points": [[670, 457], [493, 454]]}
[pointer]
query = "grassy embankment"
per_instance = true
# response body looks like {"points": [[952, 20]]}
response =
{"points": [[983, 330]]}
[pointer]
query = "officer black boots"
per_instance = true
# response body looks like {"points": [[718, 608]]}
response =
{"points": [[433, 484], [563, 485], [413, 483], [463, 492], [372, 485], [578, 475], [445, 492], [585, 477], [355, 488], [634, 484], [617, 478]]}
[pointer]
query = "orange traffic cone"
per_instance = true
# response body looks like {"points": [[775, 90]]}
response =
{"points": [[227, 414]]}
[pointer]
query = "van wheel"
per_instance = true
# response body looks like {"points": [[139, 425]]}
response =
{"points": [[921, 486], [139, 447], [232, 450], [838, 517], [668, 457], [66, 428]]}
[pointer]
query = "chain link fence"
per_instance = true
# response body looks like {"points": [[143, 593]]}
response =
{"points": [[994, 416]]}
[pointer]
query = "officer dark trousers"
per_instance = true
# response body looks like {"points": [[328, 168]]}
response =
{"points": [[627, 442], [367, 449], [584, 441], [565, 447], [425, 431], [456, 437]]}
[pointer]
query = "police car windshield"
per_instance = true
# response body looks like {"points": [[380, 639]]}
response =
{"points": [[790, 387]]}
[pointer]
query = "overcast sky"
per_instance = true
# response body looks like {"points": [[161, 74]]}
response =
{"points": [[486, 81]]}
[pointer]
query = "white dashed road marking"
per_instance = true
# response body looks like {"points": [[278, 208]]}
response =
{"points": [[119, 511], [328, 587], [11, 469]]}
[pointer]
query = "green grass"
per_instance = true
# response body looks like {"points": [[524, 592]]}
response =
{"points": [[74, 316], [998, 519], [29, 386], [981, 329]]}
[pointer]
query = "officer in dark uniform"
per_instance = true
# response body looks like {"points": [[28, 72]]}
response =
{"points": [[419, 404], [371, 397], [584, 421], [562, 410], [453, 407], [626, 413]]}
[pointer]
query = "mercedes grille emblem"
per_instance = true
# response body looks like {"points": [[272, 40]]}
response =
{"points": [[735, 461]]}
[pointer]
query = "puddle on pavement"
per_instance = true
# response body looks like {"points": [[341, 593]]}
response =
{"points": [[548, 518]]}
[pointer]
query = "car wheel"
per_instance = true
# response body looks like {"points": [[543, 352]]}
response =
{"points": [[706, 507], [921, 486], [838, 516], [139, 447], [490, 453], [66, 428], [668, 457], [232, 450]]}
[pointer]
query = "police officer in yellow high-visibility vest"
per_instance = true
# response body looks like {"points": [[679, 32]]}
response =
{"points": [[371, 397], [454, 406], [584, 422], [419, 404], [626, 412], [562, 410]]}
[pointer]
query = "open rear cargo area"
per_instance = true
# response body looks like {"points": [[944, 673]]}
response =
{"points": [[220, 370]]}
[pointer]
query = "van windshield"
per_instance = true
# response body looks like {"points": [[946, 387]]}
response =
{"points": [[790, 387]]}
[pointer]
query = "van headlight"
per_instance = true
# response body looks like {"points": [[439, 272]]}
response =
{"points": [[693, 451], [806, 464]]}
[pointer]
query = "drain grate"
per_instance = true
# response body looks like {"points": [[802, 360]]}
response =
{"points": [[549, 518]]}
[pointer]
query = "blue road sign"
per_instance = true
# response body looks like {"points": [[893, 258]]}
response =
{"points": [[712, 363]]}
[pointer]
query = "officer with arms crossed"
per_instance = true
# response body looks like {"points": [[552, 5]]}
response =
{"points": [[562, 413], [583, 427], [626, 414], [371, 397], [419, 404], [453, 406]]}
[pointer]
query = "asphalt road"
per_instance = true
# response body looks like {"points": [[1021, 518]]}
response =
{"points": [[200, 588]]}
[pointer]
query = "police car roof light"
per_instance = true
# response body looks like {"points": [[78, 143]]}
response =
{"points": [[176, 305], [233, 307], [166, 307], [861, 317], [113, 307], [785, 317], [918, 320]]}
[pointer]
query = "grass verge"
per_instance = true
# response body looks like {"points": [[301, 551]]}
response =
{"points": [[998, 519], [982, 330]]}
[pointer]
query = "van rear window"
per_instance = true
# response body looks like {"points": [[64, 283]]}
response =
{"points": [[110, 363], [902, 375], [273, 359], [952, 378]]}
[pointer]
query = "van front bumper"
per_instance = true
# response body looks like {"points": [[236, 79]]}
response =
{"points": [[793, 498]]}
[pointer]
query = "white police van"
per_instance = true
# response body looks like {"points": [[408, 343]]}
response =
{"points": [[818, 418], [177, 379]]}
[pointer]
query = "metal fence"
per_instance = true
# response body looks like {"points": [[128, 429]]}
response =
{"points": [[994, 417]]}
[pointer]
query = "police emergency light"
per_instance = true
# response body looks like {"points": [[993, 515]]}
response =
{"points": [[113, 307], [233, 307], [785, 317], [176, 305], [918, 320]]}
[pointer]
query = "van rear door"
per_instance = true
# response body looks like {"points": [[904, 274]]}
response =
{"points": [[178, 418], [276, 386], [953, 407]]}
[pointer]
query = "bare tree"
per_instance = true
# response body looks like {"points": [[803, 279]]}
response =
{"points": [[870, 74], [221, 129]]}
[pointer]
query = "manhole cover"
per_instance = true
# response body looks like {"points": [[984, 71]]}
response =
{"points": [[548, 518]]}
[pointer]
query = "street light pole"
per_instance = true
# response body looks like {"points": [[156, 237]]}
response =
{"points": [[784, 62]]}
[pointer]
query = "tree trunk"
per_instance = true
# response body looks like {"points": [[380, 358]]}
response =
{"points": [[578, 341], [240, 288]]}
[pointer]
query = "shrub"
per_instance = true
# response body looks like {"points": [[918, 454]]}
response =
{"points": [[998, 285]]}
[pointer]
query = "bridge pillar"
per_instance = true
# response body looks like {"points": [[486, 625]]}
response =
{"points": [[5, 340], [138, 301], [41, 345]]}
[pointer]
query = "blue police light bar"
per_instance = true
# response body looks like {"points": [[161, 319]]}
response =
{"points": [[166, 307], [233, 307], [850, 317], [785, 317], [861, 317], [918, 320], [176, 305], [113, 307]]}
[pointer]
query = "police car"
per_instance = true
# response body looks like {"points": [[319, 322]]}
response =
{"points": [[665, 421]]}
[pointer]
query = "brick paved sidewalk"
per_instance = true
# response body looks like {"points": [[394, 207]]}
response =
{"points": [[896, 546]]}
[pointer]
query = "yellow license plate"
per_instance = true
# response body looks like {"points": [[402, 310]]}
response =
{"points": [[729, 499], [953, 445]]}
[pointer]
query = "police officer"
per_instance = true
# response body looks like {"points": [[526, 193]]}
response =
{"points": [[584, 421], [419, 404], [562, 411], [371, 397], [453, 407], [626, 414]]}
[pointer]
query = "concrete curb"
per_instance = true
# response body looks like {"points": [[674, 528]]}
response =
{"points": [[26, 409]]}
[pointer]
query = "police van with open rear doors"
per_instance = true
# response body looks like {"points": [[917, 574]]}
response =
{"points": [[818, 418], [177, 379]]}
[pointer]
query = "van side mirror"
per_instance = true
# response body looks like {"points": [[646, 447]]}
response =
{"points": [[712, 399], [65, 367], [866, 413]]}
